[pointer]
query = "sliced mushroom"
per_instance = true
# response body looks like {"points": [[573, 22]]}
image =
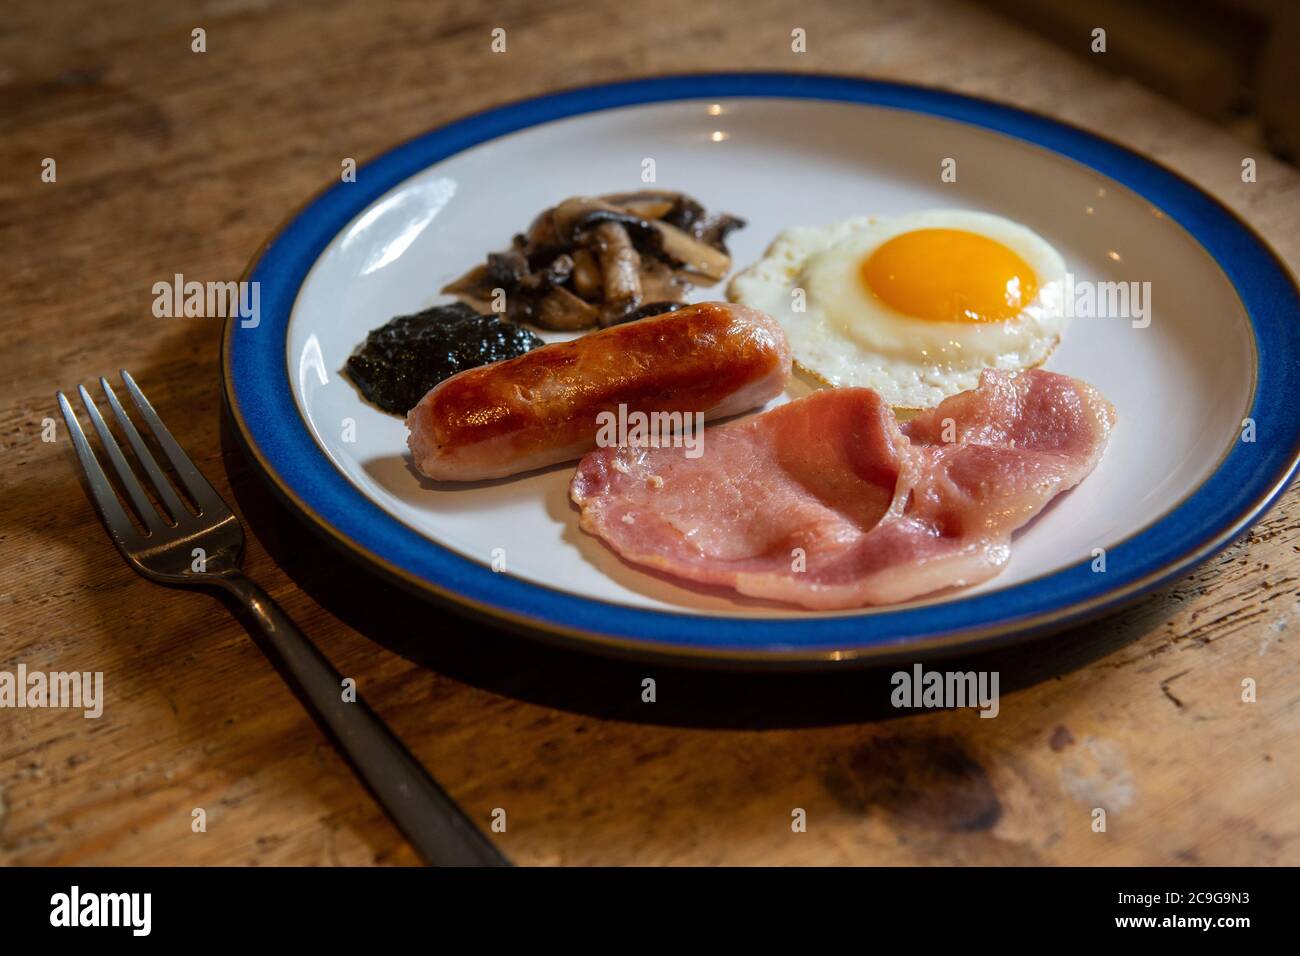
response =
{"points": [[507, 269], [684, 214], [620, 267], [659, 283], [574, 218], [715, 229], [690, 217], [647, 204], [605, 259], [641, 312], [563, 311], [586, 275], [691, 254], [580, 214], [554, 273], [542, 233]]}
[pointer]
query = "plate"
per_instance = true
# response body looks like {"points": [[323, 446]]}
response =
{"points": [[1208, 433]]}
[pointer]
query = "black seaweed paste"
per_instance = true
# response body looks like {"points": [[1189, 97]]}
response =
{"points": [[399, 362]]}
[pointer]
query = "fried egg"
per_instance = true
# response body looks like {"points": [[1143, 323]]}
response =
{"points": [[913, 306]]}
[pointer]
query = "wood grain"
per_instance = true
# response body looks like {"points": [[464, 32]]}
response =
{"points": [[171, 161]]}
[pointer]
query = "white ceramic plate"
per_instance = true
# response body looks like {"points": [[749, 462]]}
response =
{"points": [[778, 151]]}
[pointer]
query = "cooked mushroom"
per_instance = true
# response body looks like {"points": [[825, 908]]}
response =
{"points": [[586, 275], [691, 254], [507, 268], [575, 218], [563, 311], [643, 312], [554, 273], [648, 203], [689, 216], [620, 267], [604, 259], [660, 283]]}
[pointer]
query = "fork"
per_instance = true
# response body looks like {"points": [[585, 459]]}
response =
{"points": [[179, 547]]}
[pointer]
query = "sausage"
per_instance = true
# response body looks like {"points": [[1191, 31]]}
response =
{"points": [[542, 407]]}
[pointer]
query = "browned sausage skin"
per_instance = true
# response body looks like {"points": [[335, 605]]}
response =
{"points": [[541, 408]]}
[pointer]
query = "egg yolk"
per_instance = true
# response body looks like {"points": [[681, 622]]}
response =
{"points": [[949, 275]]}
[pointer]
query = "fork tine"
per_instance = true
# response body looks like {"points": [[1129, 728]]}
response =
{"points": [[130, 483], [119, 526], [162, 486], [204, 495]]}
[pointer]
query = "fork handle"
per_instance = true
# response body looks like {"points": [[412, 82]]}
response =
{"points": [[435, 826]]}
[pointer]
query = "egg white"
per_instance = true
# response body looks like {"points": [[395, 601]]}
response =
{"points": [[846, 336]]}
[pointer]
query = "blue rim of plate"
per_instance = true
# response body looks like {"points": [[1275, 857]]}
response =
{"points": [[1248, 480]]}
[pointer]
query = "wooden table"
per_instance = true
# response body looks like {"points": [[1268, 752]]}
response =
{"points": [[174, 161]]}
